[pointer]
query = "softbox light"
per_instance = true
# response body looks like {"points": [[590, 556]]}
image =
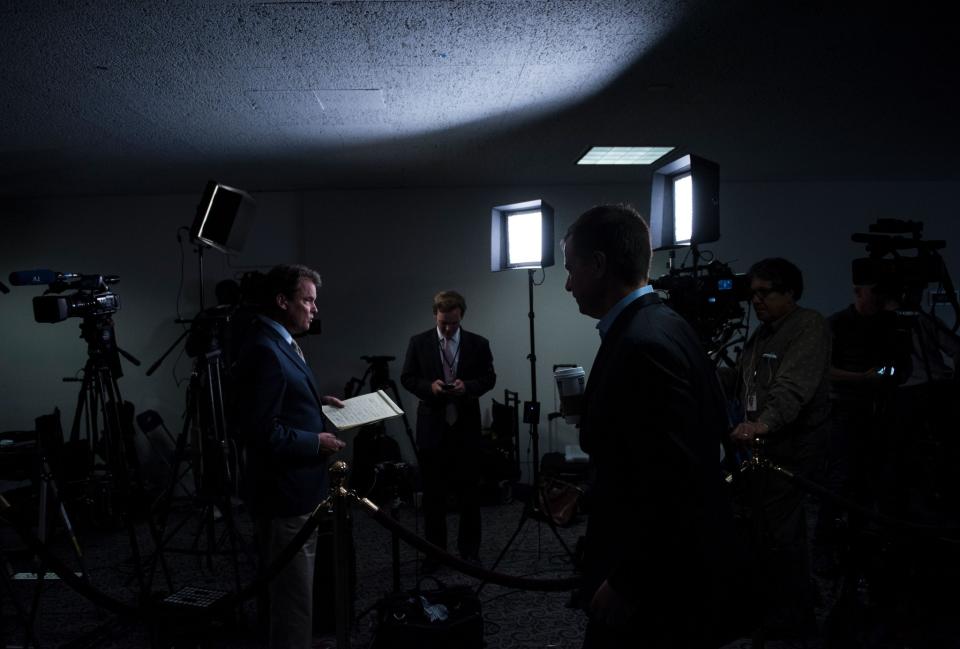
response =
{"points": [[685, 203], [223, 218], [521, 236]]}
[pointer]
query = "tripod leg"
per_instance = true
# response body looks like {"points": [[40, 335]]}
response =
{"points": [[551, 523], [165, 499], [523, 519], [48, 482], [39, 567], [125, 469], [406, 422], [23, 615]]}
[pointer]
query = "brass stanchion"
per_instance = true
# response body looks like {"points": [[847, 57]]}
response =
{"points": [[341, 560]]}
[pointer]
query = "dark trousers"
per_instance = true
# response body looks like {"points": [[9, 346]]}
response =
{"points": [[679, 632], [452, 468], [852, 465], [782, 586]]}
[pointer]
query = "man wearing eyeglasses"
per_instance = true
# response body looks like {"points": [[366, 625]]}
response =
{"points": [[782, 384]]}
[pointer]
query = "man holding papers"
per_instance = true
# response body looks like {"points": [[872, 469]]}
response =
{"points": [[448, 369], [278, 414]]}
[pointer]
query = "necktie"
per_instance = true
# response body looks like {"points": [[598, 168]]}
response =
{"points": [[449, 359], [449, 375], [296, 348]]}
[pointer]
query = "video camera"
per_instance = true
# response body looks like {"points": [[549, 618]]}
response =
{"points": [[92, 298], [709, 297], [904, 278]]}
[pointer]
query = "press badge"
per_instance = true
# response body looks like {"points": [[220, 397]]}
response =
{"points": [[752, 402]]}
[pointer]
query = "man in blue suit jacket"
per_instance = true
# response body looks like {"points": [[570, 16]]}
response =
{"points": [[278, 414], [652, 421]]}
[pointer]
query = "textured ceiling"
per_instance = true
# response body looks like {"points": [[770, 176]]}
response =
{"points": [[112, 98]]}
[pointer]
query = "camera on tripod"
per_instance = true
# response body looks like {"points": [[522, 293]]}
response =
{"points": [[92, 298], [207, 329], [710, 297], [907, 276], [393, 481]]}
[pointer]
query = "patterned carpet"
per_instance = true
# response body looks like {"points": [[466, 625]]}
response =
{"points": [[511, 618]]}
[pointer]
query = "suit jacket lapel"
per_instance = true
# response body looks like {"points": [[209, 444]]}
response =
{"points": [[287, 349], [462, 353], [434, 351]]}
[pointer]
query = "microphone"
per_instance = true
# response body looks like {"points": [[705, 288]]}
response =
{"points": [[39, 276]]}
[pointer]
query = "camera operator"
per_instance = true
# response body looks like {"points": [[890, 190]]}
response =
{"points": [[921, 412], [448, 369], [866, 352], [782, 385]]}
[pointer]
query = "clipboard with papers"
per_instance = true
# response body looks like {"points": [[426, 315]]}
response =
{"points": [[362, 410]]}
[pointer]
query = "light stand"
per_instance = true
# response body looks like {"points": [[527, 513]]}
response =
{"points": [[521, 237], [531, 416], [531, 409]]}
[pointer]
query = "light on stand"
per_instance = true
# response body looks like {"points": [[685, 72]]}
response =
{"points": [[684, 213], [683, 208], [223, 218], [521, 236], [685, 203], [524, 238]]}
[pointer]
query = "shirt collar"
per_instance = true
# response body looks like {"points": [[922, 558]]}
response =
{"points": [[279, 328], [607, 321], [455, 338]]}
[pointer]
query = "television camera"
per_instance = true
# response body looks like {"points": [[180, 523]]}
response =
{"points": [[710, 297], [92, 298], [904, 277]]}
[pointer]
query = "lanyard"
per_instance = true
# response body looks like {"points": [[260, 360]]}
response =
{"points": [[452, 366]]}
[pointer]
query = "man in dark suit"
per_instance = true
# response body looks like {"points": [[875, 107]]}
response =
{"points": [[652, 421], [448, 369], [278, 415]]}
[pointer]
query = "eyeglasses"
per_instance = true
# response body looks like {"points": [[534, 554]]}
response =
{"points": [[764, 291]]}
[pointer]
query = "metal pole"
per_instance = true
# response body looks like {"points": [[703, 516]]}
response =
{"points": [[534, 434], [341, 557]]}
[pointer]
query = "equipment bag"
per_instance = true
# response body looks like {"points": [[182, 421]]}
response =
{"points": [[441, 618]]}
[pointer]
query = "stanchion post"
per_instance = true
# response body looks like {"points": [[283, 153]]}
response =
{"points": [[341, 559]]}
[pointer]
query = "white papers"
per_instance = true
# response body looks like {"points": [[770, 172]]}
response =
{"points": [[362, 410]]}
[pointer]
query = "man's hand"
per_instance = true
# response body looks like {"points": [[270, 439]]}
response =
{"points": [[458, 387], [330, 443], [609, 607], [437, 387], [331, 401], [746, 431]]}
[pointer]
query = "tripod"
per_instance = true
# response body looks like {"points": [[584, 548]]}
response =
{"points": [[378, 372], [531, 416], [100, 401], [214, 461]]}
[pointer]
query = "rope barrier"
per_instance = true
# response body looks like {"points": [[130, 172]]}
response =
{"points": [[150, 613], [469, 569], [934, 532]]}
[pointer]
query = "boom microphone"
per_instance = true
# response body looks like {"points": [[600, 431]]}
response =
{"points": [[39, 276]]}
